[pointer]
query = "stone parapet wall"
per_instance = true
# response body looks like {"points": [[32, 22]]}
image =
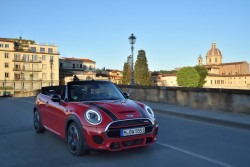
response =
{"points": [[231, 100], [27, 93]]}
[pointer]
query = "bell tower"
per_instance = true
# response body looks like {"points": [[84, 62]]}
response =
{"points": [[200, 60]]}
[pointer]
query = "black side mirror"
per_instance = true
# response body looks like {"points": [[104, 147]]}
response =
{"points": [[56, 98], [126, 95]]}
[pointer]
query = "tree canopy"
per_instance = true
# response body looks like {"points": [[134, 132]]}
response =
{"points": [[126, 79], [142, 74], [188, 77], [202, 71]]}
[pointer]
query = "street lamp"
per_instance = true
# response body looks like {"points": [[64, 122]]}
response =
{"points": [[132, 39], [51, 64], [5, 87]]}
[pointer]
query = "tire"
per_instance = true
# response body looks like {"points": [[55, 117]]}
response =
{"points": [[76, 140], [37, 122]]}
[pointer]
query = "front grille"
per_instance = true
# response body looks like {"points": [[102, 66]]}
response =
{"points": [[130, 123], [114, 129]]}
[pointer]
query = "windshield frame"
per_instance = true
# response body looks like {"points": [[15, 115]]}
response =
{"points": [[118, 93]]}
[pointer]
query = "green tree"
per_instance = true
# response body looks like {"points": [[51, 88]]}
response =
{"points": [[126, 79], [202, 71], [188, 77], [142, 74]]}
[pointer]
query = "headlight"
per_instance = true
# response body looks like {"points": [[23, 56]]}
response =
{"points": [[93, 117], [150, 111]]}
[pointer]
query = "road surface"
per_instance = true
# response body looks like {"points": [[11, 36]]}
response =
{"points": [[181, 143]]}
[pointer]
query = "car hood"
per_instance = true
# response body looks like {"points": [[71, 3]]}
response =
{"points": [[120, 109]]}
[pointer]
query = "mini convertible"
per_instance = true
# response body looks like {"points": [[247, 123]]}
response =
{"points": [[94, 115]]}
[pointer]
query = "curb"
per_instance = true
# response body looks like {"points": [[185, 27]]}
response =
{"points": [[206, 119]]}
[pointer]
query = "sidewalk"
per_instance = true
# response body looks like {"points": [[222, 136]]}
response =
{"points": [[217, 117]]}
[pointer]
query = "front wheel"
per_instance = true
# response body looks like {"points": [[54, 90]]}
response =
{"points": [[37, 122], [76, 140]]}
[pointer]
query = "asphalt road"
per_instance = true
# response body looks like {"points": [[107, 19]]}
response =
{"points": [[181, 143]]}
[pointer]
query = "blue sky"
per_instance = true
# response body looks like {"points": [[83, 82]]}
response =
{"points": [[172, 32]]}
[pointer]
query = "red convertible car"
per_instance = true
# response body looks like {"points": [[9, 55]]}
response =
{"points": [[94, 115]]}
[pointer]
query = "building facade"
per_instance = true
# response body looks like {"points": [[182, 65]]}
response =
{"points": [[27, 65], [233, 75], [83, 68]]}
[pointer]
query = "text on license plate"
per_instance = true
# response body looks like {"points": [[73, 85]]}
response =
{"points": [[134, 131]]}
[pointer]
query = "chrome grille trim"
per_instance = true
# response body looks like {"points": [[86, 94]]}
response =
{"points": [[107, 127]]}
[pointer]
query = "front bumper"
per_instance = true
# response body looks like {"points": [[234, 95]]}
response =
{"points": [[97, 138]]}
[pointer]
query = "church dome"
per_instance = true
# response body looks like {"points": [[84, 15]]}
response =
{"points": [[214, 51]]}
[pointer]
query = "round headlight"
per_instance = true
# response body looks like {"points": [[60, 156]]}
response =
{"points": [[150, 111], [93, 117]]}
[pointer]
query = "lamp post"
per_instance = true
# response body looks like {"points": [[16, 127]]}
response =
{"points": [[5, 87], [132, 39], [51, 64], [22, 85]]}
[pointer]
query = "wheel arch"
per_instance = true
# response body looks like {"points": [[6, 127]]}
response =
{"points": [[70, 119]]}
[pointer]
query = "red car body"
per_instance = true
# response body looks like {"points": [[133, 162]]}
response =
{"points": [[119, 118]]}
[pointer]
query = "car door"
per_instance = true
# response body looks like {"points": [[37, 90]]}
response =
{"points": [[57, 115]]}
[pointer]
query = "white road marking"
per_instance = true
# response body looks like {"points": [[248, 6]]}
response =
{"points": [[24, 101], [195, 155]]}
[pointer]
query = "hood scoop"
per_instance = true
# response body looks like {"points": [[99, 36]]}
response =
{"points": [[125, 112]]}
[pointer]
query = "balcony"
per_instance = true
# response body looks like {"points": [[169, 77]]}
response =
{"points": [[27, 61], [28, 69], [27, 79]]}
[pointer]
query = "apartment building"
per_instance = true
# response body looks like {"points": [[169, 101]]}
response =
{"points": [[83, 68], [26, 65]]}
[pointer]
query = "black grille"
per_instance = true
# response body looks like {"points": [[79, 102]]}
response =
{"points": [[130, 123]]}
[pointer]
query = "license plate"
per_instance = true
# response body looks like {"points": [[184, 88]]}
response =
{"points": [[134, 131]]}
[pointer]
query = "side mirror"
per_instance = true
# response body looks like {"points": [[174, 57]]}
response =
{"points": [[126, 95], [56, 98]]}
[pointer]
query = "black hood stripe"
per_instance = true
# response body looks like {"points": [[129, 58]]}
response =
{"points": [[109, 113], [138, 108]]}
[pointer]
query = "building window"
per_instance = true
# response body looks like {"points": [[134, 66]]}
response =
{"points": [[1, 45], [215, 60], [218, 82], [50, 50], [209, 60], [7, 46], [26, 57], [6, 65], [44, 66], [211, 81], [61, 65], [80, 65], [42, 50], [17, 76], [34, 58], [6, 75], [73, 66], [6, 55], [17, 56], [33, 49], [51, 57], [90, 67], [43, 57]]}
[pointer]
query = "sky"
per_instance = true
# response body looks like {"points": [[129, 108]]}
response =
{"points": [[173, 33]]}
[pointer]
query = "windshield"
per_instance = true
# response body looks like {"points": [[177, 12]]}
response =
{"points": [[93, 91]]}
